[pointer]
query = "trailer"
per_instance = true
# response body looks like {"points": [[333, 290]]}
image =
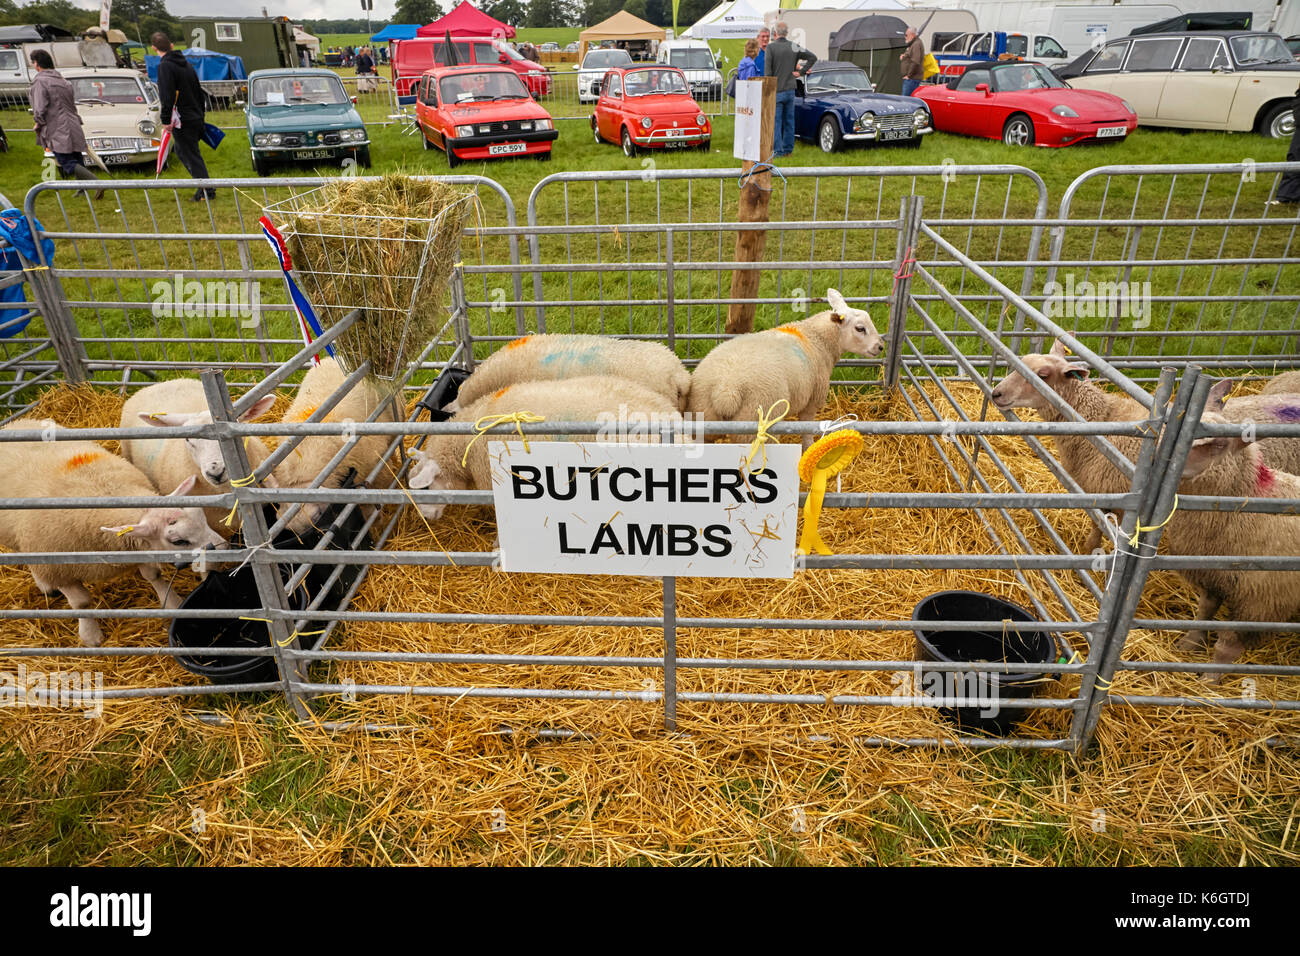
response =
{"points": [[263, 43]]}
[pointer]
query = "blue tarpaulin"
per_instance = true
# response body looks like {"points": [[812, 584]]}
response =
{"points": [[17, 238], [208, 64], [396, 31]]}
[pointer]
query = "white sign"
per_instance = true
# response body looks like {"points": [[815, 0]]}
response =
{"points": [[619, 508], [749, 120]]}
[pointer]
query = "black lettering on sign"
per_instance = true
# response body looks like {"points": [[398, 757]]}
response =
{"points": [[614, 478], [525, 479], [766, 487], [729, 480], [649, 541], [681, 540], [550, 485], [564, 541], [605, 538], [695, 484], [719, 538], [667, 484]]}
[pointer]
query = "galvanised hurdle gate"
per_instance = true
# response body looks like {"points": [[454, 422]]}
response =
{"points": [[939, 336]]}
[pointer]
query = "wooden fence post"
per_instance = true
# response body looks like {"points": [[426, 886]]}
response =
{"points": [[754, 199]]}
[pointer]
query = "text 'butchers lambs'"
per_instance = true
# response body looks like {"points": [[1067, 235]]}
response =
{"points": [[683, 510]]}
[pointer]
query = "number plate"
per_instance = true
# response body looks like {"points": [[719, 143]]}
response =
{"points": [[115, 159], [887, 134], [503, 149], [1112, 131], [314, 154]]}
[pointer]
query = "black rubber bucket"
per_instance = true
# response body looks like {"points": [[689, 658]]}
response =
{"points": [[442, 393], [1000, 641], [237, 589]]}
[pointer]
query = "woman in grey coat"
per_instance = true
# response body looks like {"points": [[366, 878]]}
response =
{"points": [[58, 125]]}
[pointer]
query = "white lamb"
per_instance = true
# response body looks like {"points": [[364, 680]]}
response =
{"points": [[80, 469], [168, 461], [1231, 467], [536, 358], [1069, 379], [309, 458], [793, 362], [589, 398], [1288, 383], [1266, 407]]}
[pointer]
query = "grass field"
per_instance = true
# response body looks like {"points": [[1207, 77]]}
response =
{"points": [[124, 790]]}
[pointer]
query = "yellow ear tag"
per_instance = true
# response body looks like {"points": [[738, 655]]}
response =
{"points": [[127, 530], [826, 457]]}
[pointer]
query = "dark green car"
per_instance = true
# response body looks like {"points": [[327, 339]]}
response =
{"points": [[301, 116]]}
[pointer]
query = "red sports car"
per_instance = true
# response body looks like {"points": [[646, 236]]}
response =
{"points": [[1025, 104], [642, 107], [476, 112]]}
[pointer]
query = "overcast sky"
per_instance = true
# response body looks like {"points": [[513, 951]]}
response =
{"points": [[296, 10]]}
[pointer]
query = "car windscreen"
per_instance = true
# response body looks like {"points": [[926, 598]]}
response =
{"points": [[691, 59], [107, 89], [297, 91], [1025, 76], [482, 87], [505, 50], [828, 81], [604, 59], [1261, 48], [646, 82]]}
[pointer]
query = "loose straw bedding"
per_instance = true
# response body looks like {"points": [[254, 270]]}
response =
{"points": [[733, 784]]}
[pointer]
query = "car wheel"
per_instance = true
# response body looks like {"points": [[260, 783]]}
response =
{"points": [[362, 156], [704, 145], [629, 147], [452, 159], [595, 131], [543, 157], [1019, 131], [424, 137], [260, 166], [1279, 122], [828, 134]]}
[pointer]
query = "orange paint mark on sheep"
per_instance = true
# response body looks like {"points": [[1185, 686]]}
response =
{"points": [[82, 458], [518, 342], [792, 330], [303, 415], [500, 391]]}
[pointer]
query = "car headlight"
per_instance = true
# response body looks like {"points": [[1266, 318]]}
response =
{"points": [[147, 127], [273, 139], [1063, 110], [259, 139], [865, 122], [700, 120], [921, 118], [646, 122], [355, 135], [1129, 106], [542, 124], [464, 131]]}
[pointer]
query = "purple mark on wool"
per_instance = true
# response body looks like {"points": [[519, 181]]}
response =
{"points": [[1287, 413]]}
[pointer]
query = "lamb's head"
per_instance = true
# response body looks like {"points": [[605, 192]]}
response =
{"points": [[857, 333], [1054, 369], [1222, 453], [172, 529], [427, 473], [206, 452]]}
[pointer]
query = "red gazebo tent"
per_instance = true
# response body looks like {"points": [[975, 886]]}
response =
{"points": [[466, 20]]}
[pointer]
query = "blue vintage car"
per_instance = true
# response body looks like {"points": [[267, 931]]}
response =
{"points": [[836, 104], [296, 115]]}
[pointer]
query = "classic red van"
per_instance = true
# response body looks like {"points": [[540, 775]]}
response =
{"points": [[412, 57], [475, 112]]}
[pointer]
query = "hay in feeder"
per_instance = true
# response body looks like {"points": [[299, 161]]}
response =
{"points": [[387, 246]]}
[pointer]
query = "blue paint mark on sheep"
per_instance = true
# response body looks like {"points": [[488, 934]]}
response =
{"points": [[1287, 413], [565, 359]]}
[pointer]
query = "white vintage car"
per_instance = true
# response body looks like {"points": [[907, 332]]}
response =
{"points": [[119, 114], [1208, 79]]}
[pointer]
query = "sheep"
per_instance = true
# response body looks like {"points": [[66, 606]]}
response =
{"points": [[1084, 462], [1281, 453], [1288, 383], [81, 469], [794, 361], [536, 358], [588, 398], [174, 404], [1231, 467], [301, 466]]}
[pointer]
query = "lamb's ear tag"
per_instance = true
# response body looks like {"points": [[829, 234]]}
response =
{"points": [[836, 318]]}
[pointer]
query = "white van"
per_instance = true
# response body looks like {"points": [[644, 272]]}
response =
{"points": [[696, 60]]}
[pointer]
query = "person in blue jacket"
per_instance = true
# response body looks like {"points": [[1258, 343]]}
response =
{"points": [[764, 35]]}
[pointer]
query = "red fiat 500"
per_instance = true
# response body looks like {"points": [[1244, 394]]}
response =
{"points": [[643, 107], [475, 112]]}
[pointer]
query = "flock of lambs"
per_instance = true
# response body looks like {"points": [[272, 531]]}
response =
{"points": [[581, 378]]}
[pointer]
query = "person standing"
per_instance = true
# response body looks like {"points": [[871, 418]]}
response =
{"points": [[181, 94], [764, 35], [58, 124], [365, 62], [786, 62], [748, 68], [913, 56], [1288, 190]]}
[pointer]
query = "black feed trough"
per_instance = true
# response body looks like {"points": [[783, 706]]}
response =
{"points": [[1000, 641], [237, 589]]}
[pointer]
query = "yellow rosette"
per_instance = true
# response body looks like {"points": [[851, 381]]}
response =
{"points": [[827, 456]]}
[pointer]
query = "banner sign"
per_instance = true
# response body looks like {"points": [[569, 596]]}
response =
{"points": [[749, 120], [619, 508]]}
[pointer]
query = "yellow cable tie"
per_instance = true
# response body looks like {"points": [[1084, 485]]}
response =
{"points": [[618, 239], [518, 419], [243, 482], [1133, 541], [229, 520], [265, 620], [35, 268], [289, 640], [766, 419]]}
